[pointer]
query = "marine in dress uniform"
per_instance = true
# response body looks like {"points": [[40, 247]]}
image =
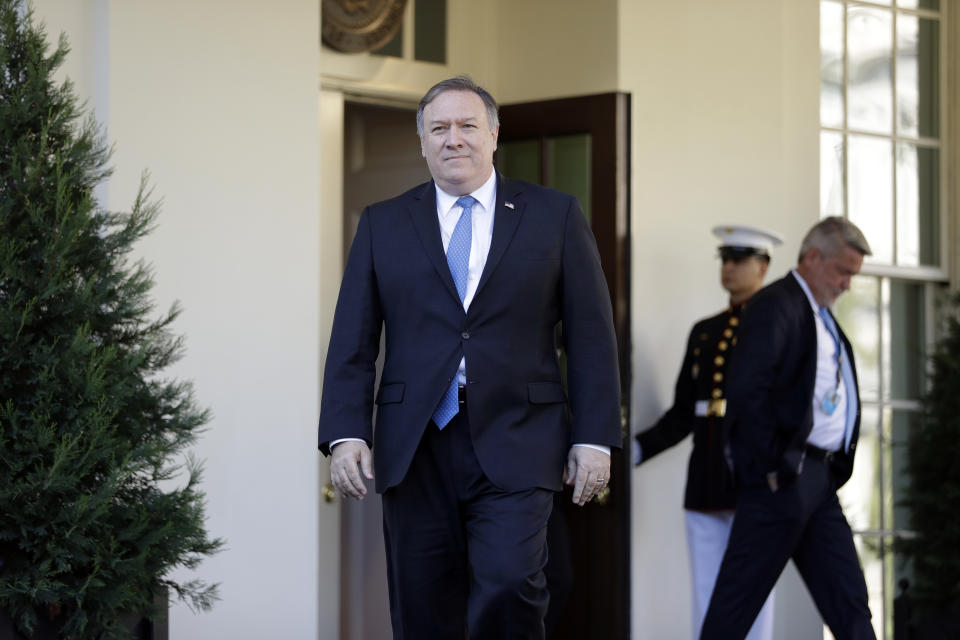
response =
{"points": [[700, 406]]}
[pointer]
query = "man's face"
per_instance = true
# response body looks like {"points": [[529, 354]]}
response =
{"points": [[457, 141], [828, 277], [742, 276]]}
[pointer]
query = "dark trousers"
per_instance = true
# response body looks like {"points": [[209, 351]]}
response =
{"points": [[464, 558], [559, 569], [802, 521]]}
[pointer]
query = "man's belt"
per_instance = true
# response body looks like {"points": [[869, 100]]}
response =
{"points": [[715, 407], [816, 453]]}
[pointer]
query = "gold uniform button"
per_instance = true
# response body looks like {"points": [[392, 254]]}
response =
{"points": [[696, 351], [734, 322], [722, 345], [728, 333], [719, 361], [718, 377], [734, 341], [717, 393]]}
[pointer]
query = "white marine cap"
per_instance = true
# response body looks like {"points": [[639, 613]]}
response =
{"points": [[741, 236]]}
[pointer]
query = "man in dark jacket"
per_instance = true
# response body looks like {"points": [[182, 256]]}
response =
{"points": [[793, 417]]}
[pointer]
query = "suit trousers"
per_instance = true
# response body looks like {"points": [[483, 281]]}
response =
{"points": [[464, 558], [802, 521]]}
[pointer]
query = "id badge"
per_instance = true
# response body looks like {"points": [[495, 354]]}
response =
{"points": [[830, 402]]}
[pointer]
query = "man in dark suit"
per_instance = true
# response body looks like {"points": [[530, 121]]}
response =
{"points": [[699, 406], [468, 276], [793, 417]]}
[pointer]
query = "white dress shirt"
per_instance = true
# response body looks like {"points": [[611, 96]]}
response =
{"points": [[481, 217], [828, 428]]}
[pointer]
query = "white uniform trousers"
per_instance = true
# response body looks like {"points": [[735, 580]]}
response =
{"points": [[707, 535]]}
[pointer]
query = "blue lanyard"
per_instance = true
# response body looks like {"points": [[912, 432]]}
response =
{"points": [[832, 329]]}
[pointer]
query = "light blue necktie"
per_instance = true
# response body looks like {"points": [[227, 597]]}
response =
{"points": [[847, 372], [458, 259]]}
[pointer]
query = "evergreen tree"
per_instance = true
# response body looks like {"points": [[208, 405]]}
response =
{"points": [[933, 492], [91, 523]]}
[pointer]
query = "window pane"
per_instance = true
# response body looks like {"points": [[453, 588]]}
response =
{"points": [[901, 573], [430, 31], [918, 76], [394, 48], [831, 174], [906, 321], [897, 514], [569, 166], [928, 80], [918, 205], [873, 552], [919, 4], [520, 160], [831, 64], [885, 373], [907, 100], [861, 495], [869, 36], [858, 314], [870, 180]]}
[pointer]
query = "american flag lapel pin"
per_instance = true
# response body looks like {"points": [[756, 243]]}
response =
{"points": [[509, 205]]}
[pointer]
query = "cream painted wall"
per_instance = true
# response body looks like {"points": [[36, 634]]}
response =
{"points": [[725, 130], [218, 99], [555, 49]]}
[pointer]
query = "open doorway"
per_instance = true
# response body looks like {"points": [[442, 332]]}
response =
{"points": [[581, 146], [381, 159]]}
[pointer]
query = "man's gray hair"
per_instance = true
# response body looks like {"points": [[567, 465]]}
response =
{"points": [[460, 83], [831, 234]]}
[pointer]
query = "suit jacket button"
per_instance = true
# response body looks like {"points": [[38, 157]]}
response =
{"points": [[465, 335]]}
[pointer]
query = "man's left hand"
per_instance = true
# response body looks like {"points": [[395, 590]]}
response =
{"points": [[588, 470]]}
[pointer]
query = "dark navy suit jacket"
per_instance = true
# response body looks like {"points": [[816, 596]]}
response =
{"points": [[770, 387], [543, 267]]}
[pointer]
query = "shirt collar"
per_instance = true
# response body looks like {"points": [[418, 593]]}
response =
{"points": [[485, 194], [806, 290]]}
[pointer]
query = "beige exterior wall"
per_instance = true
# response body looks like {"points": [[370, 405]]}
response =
{"points": [[555, 49], [218, 100]]}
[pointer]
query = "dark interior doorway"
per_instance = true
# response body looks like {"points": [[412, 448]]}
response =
{"points": [[582, 146]]}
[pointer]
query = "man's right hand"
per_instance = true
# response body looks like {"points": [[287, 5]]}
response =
{"points": [[348, 460]]}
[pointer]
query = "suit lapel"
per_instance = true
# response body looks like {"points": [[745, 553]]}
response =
{"points": [[802, 303], [508, 208], [423, 213]]}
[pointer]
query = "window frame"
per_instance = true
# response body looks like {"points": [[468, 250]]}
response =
{"points": [[932, 278], [940, 272]]}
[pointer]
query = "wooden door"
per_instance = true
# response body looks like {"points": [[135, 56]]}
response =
{"points": [[581, 146]]}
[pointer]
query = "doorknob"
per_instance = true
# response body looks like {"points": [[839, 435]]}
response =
{"points": [[329, 493]]}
